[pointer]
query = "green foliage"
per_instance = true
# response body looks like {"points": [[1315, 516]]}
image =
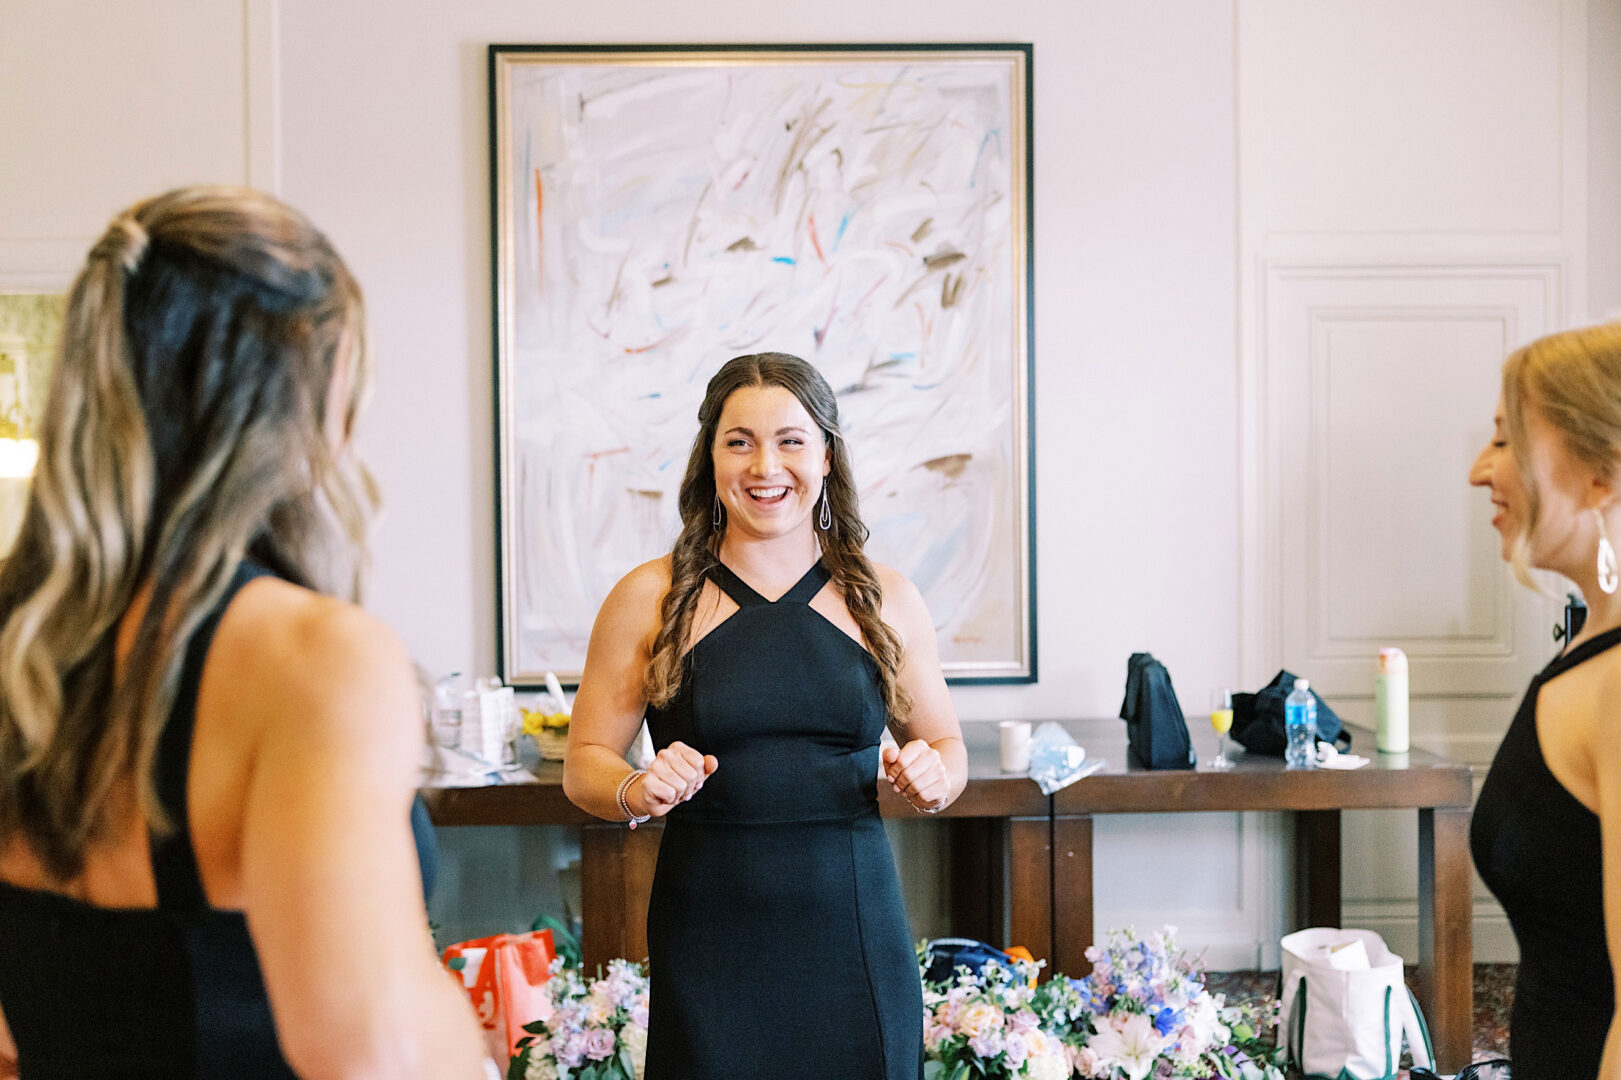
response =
{"points": [[563, 939]]}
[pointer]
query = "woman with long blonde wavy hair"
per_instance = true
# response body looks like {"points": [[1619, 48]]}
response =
{"points": [[768, 654], [207, 753], [1546, 831]]}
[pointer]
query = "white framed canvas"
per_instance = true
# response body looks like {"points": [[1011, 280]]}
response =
{"points": [[658, 210]]}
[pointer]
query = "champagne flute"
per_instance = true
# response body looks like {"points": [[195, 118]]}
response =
{"points": [[1221, 718]]}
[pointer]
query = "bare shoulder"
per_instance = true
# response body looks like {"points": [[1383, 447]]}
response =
{"points": [[635, 603], [277, 628], [1604, 726], [290, 651], [900, 594], [644, 585]]}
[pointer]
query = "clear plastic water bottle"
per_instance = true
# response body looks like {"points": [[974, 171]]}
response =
{"points": [[1300, 727]]}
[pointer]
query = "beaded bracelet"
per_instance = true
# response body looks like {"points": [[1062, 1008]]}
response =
{"points": [[619, 796]]}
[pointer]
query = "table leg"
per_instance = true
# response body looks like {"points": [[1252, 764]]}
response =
{"points": [[1072, 894], [1317, 859], [616, 879], [1445, 988], [978, 853], [1030, 864]]}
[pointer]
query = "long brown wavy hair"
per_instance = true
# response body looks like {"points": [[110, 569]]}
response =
{"points": [[697, 550], [186, 429]]}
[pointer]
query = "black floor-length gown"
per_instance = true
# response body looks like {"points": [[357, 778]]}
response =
{"points": [[778, 941]]}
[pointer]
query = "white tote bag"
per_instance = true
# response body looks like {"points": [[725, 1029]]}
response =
{"points": [[1344, 1007]]}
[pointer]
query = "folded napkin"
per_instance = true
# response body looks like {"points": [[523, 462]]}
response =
{"points": [[1329, 757], [448, 767]]}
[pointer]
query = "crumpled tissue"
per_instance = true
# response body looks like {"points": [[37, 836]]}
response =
{"points": [[1329, 757], [1057, 760]]}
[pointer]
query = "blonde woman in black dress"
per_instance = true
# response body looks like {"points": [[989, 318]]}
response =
{"points": [[768, 655], [1546, 833], [207, 758]]}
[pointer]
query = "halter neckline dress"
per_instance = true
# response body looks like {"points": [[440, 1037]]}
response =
{"points": [[777, 938], [173, 992], [1540, 852]]}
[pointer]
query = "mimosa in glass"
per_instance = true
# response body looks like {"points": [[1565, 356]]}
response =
{"points": [[1221, 718]]}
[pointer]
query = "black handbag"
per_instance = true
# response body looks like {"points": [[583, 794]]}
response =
{"points": [[1258, 719], [1155, 727]]}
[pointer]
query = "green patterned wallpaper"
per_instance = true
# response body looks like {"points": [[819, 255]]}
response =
{"points": [[30, 324]]}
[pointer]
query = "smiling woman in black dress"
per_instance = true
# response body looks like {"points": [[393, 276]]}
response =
{"points": [[1546, 833], [768, 654]]}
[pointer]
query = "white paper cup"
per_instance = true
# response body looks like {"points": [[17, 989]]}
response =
{"points": [[1015, 745]]}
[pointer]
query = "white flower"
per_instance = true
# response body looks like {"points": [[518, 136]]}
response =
{"points": [[1204, 1018], [635, 1040], [541, 1066], [599, 1006], [1047, 1059], [978, 1019], [1129, 1042]]}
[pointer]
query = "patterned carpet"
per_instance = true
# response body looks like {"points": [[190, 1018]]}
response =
{"points": [[1494, 994]]}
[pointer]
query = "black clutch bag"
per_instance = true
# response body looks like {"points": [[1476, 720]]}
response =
{"points": [[1155, 726], [1258, 719]]}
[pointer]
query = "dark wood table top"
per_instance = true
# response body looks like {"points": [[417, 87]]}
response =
{"points": [[1404, 781], [1416, 779], [990, 793]]}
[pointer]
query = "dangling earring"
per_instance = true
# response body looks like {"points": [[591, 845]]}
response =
{"points": [[1608, 579], [825, 518], [718, 517]]}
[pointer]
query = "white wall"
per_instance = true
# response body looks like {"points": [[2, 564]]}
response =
{"points": [[372, 118]]}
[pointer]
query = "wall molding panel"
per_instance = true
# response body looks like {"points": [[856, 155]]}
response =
{"points": [[1379, 291], [1341, 348], [214, 116]]}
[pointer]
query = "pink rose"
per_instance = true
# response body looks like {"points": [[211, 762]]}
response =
{"points": [[599, 1043], [1087, 1063], [1024, 1020]]}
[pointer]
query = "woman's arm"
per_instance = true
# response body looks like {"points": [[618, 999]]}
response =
{"points": [[609, 708], [931, 768], [8, 1052], [329, 876]]}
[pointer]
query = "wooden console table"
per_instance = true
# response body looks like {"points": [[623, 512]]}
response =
{"points": [[1000, 850], [1007, 840], [1438, 789]]}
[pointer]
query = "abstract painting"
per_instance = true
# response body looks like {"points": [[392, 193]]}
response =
{"points": [[659, 210]]}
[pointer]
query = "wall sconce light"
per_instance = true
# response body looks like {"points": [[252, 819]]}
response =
{"points": [[18, 458]]}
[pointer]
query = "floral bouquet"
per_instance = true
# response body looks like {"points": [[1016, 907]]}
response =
{"points": [[1149, 1014], [597, 1030], [999, 1024]]}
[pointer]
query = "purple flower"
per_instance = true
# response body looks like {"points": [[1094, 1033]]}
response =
{"points": [[599, 1043], [986, 1044], [1024, 1020], [571, 1051]]}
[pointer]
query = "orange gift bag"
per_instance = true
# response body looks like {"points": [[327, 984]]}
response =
{"points": [[505, 976]]}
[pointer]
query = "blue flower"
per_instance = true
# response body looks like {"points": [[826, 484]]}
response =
{"points": [[1167, 1021]]}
